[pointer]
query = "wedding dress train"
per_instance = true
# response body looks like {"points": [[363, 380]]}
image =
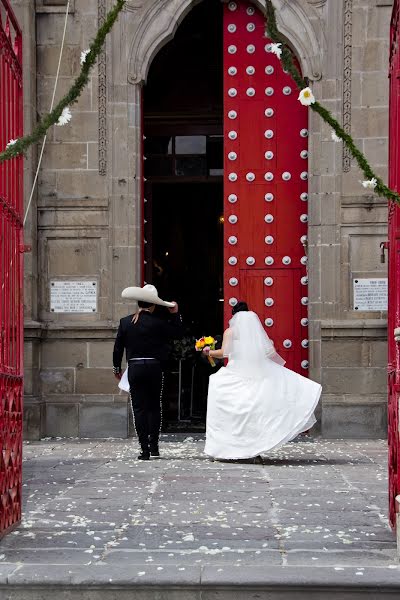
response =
{"points": [[255, 404]]}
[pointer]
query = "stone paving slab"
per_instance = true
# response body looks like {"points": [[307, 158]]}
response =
{"points": [[93, 513]]}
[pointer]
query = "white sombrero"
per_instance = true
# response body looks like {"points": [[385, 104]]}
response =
{"points": [[148, 293]]}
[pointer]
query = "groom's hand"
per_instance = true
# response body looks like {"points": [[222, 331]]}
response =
{"points": [[117, 373], [174, 309]]}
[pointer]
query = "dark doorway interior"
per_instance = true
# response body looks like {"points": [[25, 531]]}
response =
{"points": [[187, 261], [185, 78], [183, 228]]}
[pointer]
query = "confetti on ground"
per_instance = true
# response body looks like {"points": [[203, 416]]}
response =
{"points": [[312, 502]]}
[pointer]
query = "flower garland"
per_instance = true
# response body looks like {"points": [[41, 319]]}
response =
{"points": [[61, 114], [306, 97]]}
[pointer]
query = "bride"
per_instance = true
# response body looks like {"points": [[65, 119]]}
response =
{"points": [[255, 404]]}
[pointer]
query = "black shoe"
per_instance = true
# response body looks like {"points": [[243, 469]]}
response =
{"points": [[155, 452], [144, 456]]}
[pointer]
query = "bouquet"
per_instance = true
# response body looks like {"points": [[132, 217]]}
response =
{"points": [[206, 343]]}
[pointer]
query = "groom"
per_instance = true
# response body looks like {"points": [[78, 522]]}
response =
{"points": [[145, 337]]}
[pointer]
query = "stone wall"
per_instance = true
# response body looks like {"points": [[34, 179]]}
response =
{"points": [[353, 344], [87, 222], [70, 390]]}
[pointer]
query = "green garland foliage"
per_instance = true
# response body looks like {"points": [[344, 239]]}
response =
{"points": [[23, 143], [288, 64]]}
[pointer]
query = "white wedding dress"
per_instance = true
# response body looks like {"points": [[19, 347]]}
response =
{"points": [[255, 404]]}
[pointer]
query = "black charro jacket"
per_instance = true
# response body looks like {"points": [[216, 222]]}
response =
{"points": [[148, 338]]}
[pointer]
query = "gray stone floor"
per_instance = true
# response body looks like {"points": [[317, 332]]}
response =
{"points": [[90, 505]]}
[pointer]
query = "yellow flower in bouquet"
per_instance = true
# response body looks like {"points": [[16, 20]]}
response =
{"points": [[200, 344], [206, 342]]}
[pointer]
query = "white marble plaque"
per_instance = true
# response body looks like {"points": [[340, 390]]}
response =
{"points": [[73, 296], [370, 294]]}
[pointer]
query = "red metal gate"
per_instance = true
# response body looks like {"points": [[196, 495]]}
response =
{"points": [[11, 308], [394, 266], [265, 185]]}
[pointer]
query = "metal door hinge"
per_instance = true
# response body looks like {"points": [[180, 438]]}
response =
{"points": [[383, 246]]}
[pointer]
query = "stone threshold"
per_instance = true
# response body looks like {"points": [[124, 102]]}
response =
{"points": [[197, 582]]}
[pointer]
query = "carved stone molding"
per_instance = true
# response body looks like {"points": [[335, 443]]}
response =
{"points": [[133, 5], [102, 94], [54, 6], [301, 25], [298, 22], [347, 68], [317, 3]]}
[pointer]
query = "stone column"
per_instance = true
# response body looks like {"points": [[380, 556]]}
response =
{"points": [[25, 12], [324, 209], [354, 343]]}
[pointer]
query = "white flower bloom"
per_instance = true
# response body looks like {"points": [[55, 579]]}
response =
{"points": [[335, 137], [370, 184], [11, 143], [276, 49], [84, 55], [65, 117], [306, 97]]}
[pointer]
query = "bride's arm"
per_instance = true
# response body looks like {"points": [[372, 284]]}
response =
{"points": [[221, 353]]}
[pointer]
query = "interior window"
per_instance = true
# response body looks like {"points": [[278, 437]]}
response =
{"points": [[191, 144]]}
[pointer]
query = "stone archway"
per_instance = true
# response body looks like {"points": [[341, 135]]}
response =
{"points": [[297, 20], [145, 31]]}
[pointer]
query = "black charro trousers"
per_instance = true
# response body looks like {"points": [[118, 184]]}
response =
{"points": [[145, 381]]}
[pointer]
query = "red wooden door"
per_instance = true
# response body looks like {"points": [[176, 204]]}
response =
{"points": [[11, 316], [265, 185], [262, 288]]}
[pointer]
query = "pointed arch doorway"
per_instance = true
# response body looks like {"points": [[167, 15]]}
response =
{"points": [[226, 185]]}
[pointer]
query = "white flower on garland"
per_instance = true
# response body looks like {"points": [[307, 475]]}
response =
{"points": [[335, 137], [11, 143], [276, 49], [65, 117], [369, 184], [84, 55], [306, 97]]}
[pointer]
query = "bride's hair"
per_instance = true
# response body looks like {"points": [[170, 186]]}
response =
{"points": [[240, 307]]}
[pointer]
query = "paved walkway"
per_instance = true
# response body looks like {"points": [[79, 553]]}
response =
{"points": [[91, 506]]}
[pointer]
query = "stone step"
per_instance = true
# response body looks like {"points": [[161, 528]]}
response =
{"points": [[141, 582]]}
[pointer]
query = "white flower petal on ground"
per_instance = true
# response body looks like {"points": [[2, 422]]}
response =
{"points": [[65, 117], [369, 184], [306, 97], [84, 54], [335, 137], [276, 49]]}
